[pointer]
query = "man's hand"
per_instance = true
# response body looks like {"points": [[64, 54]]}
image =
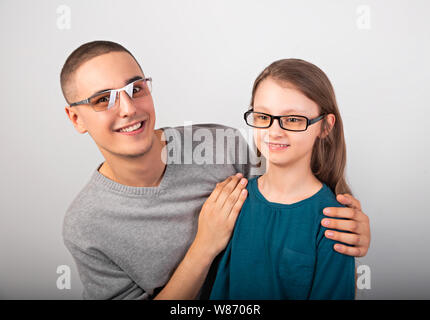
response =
{"points": [[219, 213], [216, 223], [357, 223]]}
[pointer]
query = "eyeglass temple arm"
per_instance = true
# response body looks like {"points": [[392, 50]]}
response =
{"points": [[316, 119], [86, 101]]}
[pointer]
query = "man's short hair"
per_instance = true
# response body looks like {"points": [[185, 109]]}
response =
{"points": [[81, 55]]}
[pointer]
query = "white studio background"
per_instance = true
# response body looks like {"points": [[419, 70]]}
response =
{"points": [[204, 57]]}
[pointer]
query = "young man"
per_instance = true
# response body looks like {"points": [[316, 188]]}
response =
{"points": [[149, 223]]}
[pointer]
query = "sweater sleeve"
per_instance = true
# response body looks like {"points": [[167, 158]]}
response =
{"points": [[334, 275], [102, 278]]}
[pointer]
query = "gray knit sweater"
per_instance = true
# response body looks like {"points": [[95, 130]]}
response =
{"points": [[127, 241]]}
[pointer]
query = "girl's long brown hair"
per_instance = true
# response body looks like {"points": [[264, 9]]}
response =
{"points": [[329, 153]]}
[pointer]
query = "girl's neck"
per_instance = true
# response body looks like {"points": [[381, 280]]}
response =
{"points": [[288, 184]]}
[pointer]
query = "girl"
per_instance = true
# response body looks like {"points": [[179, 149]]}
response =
{"points": [[278, 249]]}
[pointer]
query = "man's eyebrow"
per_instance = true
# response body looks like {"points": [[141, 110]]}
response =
{"points": [[133, 79], [125, 83]]}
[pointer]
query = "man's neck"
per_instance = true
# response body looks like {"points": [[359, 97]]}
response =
{"points": [[288, 184], [144, 171]]}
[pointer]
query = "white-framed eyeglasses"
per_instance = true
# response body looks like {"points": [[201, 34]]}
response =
{"points": [[104, 100]]}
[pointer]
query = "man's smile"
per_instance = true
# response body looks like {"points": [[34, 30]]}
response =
{"points": [[133, 128]]}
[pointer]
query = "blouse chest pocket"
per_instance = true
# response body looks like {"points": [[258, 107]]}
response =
{"points": [[296, 270]]}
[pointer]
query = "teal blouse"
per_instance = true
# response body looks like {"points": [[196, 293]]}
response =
{"points": [[279, 251]]}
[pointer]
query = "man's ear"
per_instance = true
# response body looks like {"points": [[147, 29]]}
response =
{"points": [[76, 119], [330, 120]]}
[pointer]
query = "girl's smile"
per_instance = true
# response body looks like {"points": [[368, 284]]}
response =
{"points": [[272, 146]]}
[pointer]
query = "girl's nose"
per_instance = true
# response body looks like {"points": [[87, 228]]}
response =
{"points": [[275, 129]]}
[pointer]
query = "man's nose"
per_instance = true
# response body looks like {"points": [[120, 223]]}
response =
{"points": [[126, 105]]}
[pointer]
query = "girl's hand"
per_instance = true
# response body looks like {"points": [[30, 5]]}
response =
{"points": [[357, 223]]}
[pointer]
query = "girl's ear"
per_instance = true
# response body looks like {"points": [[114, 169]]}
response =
{"points": [[76, 119], [329, 120]]}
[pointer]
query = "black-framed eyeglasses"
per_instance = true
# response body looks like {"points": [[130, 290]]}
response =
{"points": [[105, 100], [289, 122]]}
